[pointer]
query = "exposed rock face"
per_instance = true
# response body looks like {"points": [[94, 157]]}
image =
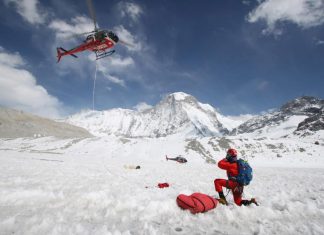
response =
{"points": [[305, 105], [313, 123], [15, 124], [309, 109]]}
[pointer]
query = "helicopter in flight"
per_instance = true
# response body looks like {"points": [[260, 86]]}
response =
{"points": [[99, 41]]}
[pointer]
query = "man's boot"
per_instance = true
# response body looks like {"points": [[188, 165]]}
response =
{"points": [[254, 201], [248, 202], [222, 198]]}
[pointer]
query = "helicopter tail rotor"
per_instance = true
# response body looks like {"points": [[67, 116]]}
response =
{"points": [[59, 54]]}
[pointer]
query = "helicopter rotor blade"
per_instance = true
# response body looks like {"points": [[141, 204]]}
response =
{"points": [[76, 35], [92, 14], [126, 43]]}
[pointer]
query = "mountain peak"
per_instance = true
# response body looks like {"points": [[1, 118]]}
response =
{"points": [[179, 96], [177, 113]]}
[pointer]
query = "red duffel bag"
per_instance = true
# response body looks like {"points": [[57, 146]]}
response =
{"points": [[196, 202]]}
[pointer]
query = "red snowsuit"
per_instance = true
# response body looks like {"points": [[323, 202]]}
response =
{"points": [[232, 171]]}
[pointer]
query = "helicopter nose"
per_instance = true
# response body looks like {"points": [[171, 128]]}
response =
{"points": [[116, 39]]}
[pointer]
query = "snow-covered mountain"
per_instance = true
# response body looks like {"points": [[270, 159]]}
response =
{"points": [[176, 113], [180, 113], [299, 116], [16, 124]]}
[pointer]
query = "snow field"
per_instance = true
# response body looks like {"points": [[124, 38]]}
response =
{"points": [[42, 193]]}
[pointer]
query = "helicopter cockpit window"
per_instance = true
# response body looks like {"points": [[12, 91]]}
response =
{"points": [[89, 37], [113, 36], [100, 35]]}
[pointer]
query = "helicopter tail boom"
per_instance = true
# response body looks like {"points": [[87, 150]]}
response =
{"points": [[61, 52]]}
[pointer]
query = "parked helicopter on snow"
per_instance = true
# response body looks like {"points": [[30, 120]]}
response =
{"points": [[100, 41]]}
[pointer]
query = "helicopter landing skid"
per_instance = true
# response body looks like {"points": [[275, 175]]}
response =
{"points": [[100, 55]]}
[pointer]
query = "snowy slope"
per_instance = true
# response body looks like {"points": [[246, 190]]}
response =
{"points": [[231, 122], [14, 124], [176, 113], [81, 186], [295, 151]]}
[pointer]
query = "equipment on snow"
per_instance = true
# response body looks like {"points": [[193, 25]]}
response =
{"points": [[163, 185], [245, 173], [159, 185], [177, 159], [196, 202], [132, 167]]}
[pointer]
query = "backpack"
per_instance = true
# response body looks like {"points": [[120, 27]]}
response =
{"points": [[245, 174]]}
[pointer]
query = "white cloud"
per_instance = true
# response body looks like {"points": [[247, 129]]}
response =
{"points": [[29, 10], [121, 62], [130, 9], [13, 60], [142, 106], [78, 25], [128, 38], [113, 65], [262, 85], [19, 89], [113, 79], [246, 2], [304, 13], [320, 42]]}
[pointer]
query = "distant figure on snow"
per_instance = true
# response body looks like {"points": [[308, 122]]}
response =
{"points": [[132, 167], [236, 181], [177, 159]]}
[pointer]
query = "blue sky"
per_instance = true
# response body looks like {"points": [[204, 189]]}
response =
{"points": [[239, 56]]}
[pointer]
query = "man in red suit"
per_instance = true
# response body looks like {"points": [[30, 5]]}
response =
{"points": [[230, 165]]}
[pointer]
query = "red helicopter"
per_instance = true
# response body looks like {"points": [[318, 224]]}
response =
{"points": [[98, 41]]}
